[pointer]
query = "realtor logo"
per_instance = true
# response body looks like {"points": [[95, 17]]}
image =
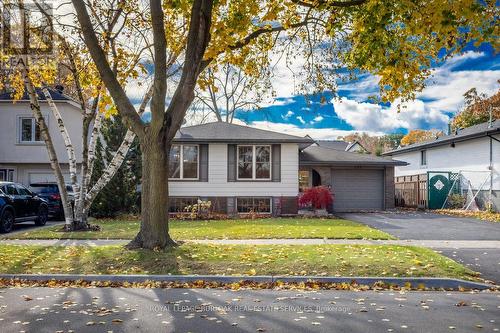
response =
{"points": [[27, 27]]}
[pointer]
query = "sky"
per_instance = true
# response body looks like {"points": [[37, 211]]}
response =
{"points": [[353, 111]]}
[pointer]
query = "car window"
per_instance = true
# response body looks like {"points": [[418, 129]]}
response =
{"points": [[44, 189], [23, 190], [10, 189]]}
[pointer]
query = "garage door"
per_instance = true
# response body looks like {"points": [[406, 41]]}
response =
{"points": [[36, 177], [358, 190]]}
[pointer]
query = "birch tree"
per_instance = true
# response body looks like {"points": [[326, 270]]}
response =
{"points": [[397, 41], [33, 74]]}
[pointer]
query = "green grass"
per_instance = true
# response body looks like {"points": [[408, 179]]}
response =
{"points": [[330, 260], [222, 229]]}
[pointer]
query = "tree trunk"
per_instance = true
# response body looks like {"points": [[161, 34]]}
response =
{"points": [[154, 201]]}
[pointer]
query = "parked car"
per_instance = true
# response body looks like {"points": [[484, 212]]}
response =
{"points": [[18, 204], [50, 192]]}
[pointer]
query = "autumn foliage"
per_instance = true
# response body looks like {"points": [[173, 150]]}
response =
{"points": [[318, 197], [418, 135], [477, 109]]}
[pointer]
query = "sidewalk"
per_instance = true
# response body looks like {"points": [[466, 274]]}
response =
{"points": [[436, 244]]}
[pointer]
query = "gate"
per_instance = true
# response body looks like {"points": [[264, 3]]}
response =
{"points": [[438, 186]]}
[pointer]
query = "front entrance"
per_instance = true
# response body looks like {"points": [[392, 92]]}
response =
{"points": [[316, 178]]}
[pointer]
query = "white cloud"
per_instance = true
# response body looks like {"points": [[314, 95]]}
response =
{"points": [[288, 115], [299, 118], [373, 117], [318, 119], [315, 133]]}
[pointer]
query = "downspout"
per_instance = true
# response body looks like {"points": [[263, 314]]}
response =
{"points": [[491, 169]]}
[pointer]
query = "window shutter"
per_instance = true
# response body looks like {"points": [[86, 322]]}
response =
{"points": [[231, 163], [276, 161], [204, 163]]}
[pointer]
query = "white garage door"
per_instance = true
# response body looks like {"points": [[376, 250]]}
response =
{"points": [[357, 190], [36, 177]]}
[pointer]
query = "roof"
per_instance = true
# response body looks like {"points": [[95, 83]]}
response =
{"points": [[333, 144], [472, 132], [225, 132], [319, 155], [55, 94]]}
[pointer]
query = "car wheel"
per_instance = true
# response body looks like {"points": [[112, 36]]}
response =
{"points": [[6, 221], [43, 215]]}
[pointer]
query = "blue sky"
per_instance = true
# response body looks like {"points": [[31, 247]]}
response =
{"points": [[354, 112]]}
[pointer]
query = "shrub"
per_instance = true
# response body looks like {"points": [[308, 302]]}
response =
{"points": [[199, 210], [456, 201], [318, 197]]}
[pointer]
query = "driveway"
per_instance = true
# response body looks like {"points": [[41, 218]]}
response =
{"points": [[427, 226], [412, 225]]}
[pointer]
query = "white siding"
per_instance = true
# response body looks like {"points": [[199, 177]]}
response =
{"points": [[218, 185], [13, 152], [467, 156]]}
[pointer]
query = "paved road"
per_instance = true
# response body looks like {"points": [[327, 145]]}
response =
{"points": [[214, 310], [424, 225], [467, 236], [26, 226]]}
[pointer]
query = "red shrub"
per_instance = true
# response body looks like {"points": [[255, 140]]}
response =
{"points": [[318, 197]]}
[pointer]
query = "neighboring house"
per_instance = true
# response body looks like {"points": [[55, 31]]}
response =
{"points": [[242, 169], [353, 147], [472, 152], [23, 156]]}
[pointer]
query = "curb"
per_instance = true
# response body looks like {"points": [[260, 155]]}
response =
{"points": [[431, 283]]}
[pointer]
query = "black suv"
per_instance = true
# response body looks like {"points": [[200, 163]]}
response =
{"points": [[50, 192], [18, 204]]}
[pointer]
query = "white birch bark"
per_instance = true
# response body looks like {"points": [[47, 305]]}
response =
{"points": [[54, 163], [67, 141]]}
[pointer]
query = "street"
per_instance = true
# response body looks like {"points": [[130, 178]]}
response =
{"points": [[216, 310]]}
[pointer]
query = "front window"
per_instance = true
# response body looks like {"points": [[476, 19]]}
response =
{"points": [[29, 130], [254, 162], [7, 175], [254, 205], [183, 162]]}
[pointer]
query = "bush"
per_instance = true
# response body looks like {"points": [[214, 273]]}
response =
{"points": [[318, 197], [456, 201], [200, 210]]}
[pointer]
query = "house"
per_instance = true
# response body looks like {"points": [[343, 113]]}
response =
{"points": [[242, 169], [238, 168], [23, 156], [472, 152]]}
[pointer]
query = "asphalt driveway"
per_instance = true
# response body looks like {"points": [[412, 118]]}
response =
{"points": [[428, 226]]}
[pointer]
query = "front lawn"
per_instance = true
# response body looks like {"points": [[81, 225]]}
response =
{"points": [[222, 229], [329, 260]]}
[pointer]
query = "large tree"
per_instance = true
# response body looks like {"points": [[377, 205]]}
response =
{"points": [[396, 40]]}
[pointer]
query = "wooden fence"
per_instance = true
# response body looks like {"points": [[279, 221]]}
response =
{"points": [[411, 191]]}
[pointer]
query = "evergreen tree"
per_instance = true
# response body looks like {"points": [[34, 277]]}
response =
{"points": [[120, 195]]}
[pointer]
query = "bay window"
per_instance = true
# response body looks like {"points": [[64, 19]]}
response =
{"points": [[254, 162], [183, 162]]}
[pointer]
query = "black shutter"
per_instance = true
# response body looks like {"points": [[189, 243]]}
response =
{"points": [[231, 163], [204, 163], [276, 161]]}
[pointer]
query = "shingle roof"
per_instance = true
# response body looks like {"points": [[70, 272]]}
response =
{"points": [[225, 132], [333, 144], [471, 132], [319, 155], [56, 95]]}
